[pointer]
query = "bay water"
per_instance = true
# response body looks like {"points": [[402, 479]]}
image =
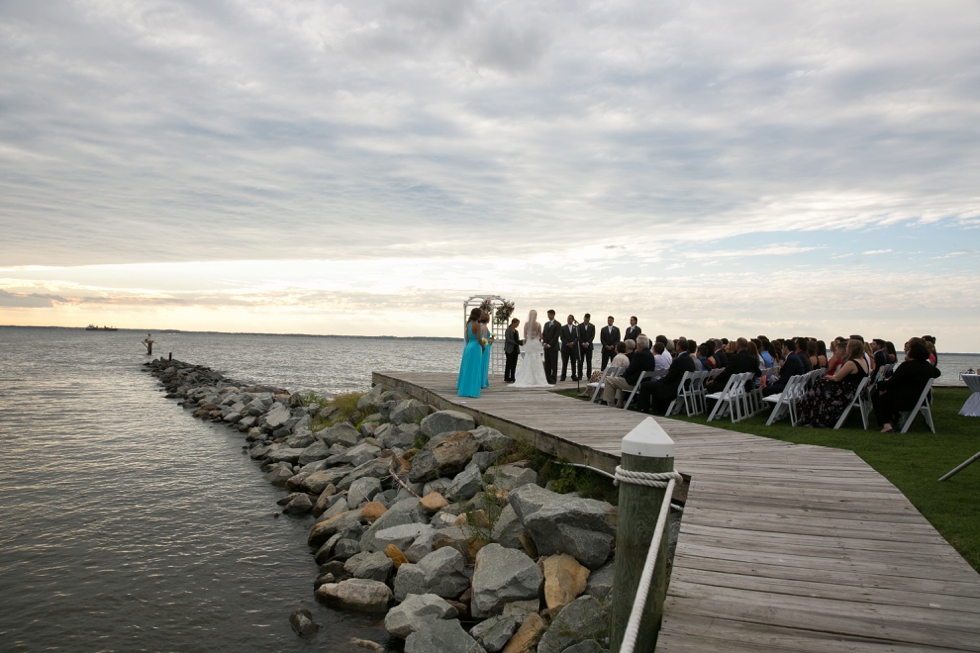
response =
{"points": [[127, 525]]}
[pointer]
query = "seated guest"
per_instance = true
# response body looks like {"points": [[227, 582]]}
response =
{"points": [[740, 363], [704, 355], [719, 355], [800, 351], [823, 405], [792, 366], [900, 392], [754, 353], [892, 354], [661, 356], [692, 349], [620, 359], [666, 343], [879, 353], [931, 344], [838, 359], [821, 354], [643, 361], [662, 391], [630, 348]]}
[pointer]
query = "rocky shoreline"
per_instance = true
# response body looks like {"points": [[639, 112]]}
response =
{"points": [[422, 517]]}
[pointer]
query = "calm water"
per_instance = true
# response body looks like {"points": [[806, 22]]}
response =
{"points": [[127, 525]]}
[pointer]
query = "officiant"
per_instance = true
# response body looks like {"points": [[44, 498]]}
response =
{"points": [[512, 350]]}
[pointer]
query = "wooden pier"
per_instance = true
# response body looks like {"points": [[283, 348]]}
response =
{"points": [[783, 547]]}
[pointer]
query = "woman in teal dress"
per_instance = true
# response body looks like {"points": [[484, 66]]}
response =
{"points": [[471, 366], [488, 339]]}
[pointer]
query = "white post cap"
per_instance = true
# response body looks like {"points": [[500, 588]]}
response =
{"points": [[649, 440]]}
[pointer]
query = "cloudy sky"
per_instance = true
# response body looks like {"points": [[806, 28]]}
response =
{"points": [[715, 168]]}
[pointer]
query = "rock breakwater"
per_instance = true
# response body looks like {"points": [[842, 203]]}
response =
{"points": [[425, 517]]}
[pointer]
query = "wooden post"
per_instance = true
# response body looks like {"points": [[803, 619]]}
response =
{"points": [[647, 448]]}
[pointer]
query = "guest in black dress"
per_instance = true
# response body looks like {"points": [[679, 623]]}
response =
{"points": [[902, 390]]}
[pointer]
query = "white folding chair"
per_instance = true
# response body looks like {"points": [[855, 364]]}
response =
{"points": [[683, 394], [644, 376], [859, 401], [921, 406], [609, 371], [784, 403], [698, 391], [725, 401]]}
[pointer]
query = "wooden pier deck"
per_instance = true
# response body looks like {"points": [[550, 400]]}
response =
{"points": [[783, 547]]}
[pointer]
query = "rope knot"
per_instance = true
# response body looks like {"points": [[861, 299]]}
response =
{"points": [[648, 479]]}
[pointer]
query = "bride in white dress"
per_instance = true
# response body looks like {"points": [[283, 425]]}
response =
{"points": [[530, 372]]}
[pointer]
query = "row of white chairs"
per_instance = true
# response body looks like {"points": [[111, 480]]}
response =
{"points": [[736, 400]]}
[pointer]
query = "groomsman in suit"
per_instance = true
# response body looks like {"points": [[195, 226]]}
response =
{"points": [[569, 347], [550, 335], [609, 337], [586, 336], [633, 330]]}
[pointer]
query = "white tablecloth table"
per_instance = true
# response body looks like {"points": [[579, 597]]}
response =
{"points": [[972, 406]]}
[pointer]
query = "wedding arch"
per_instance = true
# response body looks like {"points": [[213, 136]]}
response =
{"points": [[500, 311]]}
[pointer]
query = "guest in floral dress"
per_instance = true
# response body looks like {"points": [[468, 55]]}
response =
{"points": [[825, 402]]}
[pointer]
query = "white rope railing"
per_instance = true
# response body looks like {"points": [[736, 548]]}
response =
{"points": [[667, 480]]}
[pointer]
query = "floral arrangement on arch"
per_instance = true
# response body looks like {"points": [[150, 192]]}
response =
{"points": [[503, 313]]}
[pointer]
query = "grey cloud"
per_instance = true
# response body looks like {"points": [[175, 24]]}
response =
{"points": [[231, 130], [30, 300]]}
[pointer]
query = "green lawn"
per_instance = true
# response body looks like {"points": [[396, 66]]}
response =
{"points": [[912, 462]]}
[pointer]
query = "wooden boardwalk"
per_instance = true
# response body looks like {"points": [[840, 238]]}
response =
{"points": [[783, 547]]}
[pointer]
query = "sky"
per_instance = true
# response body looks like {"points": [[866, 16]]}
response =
{"points": [[714, 168]]}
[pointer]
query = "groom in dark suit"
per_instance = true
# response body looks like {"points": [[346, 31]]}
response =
{"points": [[586, 336], [550, 336]]}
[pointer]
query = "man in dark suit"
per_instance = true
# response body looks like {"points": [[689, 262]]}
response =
{"points": [[792, 366], [901, 392], [643, 361], [662, 391], [586, 336], [721, 358], [880, 353], [609, 337], [512, 350], [550, 336], [800, 353], [632, 331], [740, 362], [569, 348]]}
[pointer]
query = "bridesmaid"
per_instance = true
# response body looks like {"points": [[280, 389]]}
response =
{"points": [[471, 366], [488, 339]]}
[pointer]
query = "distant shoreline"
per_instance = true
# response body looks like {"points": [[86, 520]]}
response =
{"points": [[242, 333]]}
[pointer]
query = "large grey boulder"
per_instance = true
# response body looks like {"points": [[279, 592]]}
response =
{"points": [[442, 636], [466, 484], [314, 452], [484, 459], [491, 439], [387, 520], [494, 633], [401, 536], [446, 457], [279, 474], [371, 565], [301, 439], [410, 411], [507, 530], [317, 481], [417, 609], [370, 399], [600, 581], [285, 455], [508, 477], [324, 529], [502, 575], [362, 491], [401, 437], [356, 594], [276, 417], [378, 468], [442, 572], [342, 433], [421, 546], [557, 523], [446, 420], [583, 619], [299, 505], [360, 454]]}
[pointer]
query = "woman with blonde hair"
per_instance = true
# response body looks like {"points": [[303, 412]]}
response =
{"points": [[825, 402]]}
